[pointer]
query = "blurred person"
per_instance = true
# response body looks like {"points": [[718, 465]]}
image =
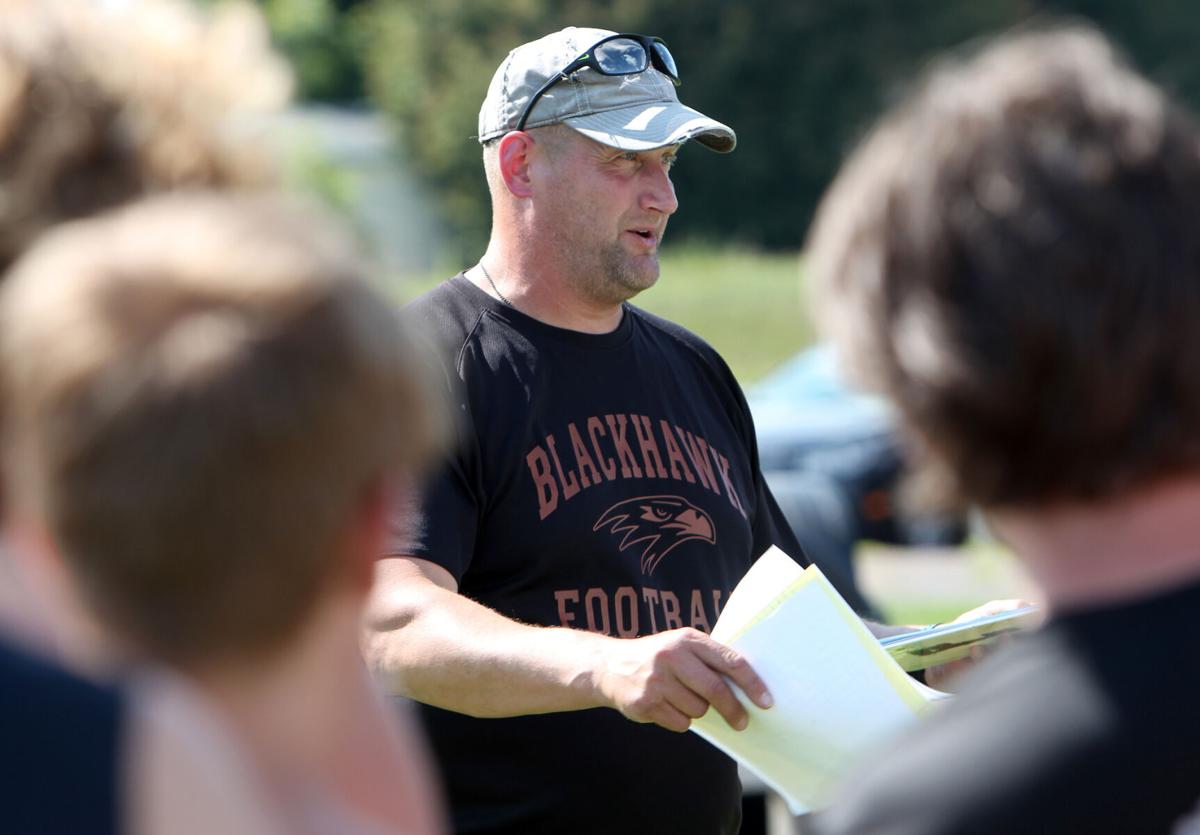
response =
{"points": [[81, 757], [101, 103], [547, 597], [208, 412], [97, 106], [1011, 257]]}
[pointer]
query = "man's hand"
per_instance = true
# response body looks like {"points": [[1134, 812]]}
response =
{"points": [[944, 676], [673, 677], [430, 643]]}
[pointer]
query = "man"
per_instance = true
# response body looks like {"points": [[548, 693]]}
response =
{"points": [[605, 495], [1012, 258], [207, 413]]}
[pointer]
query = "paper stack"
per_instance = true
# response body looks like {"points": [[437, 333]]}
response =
{"points": [[838, 694]]}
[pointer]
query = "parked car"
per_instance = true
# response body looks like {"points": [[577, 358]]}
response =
{"points": [[832, 458]]}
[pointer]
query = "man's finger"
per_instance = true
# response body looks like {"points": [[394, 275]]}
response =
{"points": [[732, 665], [687, 701], [666, 716], [713, 690]]}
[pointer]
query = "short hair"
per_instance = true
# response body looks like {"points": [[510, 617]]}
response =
{"points": [[102, 103], [553, 138], [200, 391], [491, 166], [1012, 257]]}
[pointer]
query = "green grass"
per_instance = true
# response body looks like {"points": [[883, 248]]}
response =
{"points": [[909, 587], [747, 304]]}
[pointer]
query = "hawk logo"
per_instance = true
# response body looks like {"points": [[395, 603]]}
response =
{"points": [[663, 523]]}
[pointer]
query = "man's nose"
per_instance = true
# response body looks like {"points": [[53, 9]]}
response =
{"points": [[658, 193]]}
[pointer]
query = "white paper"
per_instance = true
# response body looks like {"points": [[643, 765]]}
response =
{"points": [[838, 695]]}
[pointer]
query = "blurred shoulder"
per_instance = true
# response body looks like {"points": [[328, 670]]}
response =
{"points": [[186, 769]]}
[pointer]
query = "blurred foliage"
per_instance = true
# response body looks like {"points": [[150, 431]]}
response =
{"points": [[320, 39], [798, 81], [308, 167]]}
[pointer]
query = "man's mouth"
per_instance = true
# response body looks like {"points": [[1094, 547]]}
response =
{"points": [[645, 234]]}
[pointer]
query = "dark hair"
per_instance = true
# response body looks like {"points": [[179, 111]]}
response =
{"points": [[1013, 257]]}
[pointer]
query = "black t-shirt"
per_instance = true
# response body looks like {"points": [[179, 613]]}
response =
{"points": [[59, 740], [1088, 726], [605, 482]]}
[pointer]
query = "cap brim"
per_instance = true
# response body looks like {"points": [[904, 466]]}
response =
{"points": [[645, 127]]}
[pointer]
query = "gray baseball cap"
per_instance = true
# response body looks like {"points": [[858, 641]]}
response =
{"points": [[632, 112]]}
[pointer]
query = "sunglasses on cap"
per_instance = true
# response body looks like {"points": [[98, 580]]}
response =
{"points": [[615, 55]]}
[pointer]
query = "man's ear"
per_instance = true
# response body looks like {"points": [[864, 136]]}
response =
{"points": [[515, 153]]}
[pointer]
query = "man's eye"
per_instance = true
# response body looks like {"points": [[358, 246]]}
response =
{"points": [[669, 162], [629, 156]]}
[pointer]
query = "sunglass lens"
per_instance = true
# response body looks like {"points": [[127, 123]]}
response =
{"points": [[667, 59], [620, 56]]}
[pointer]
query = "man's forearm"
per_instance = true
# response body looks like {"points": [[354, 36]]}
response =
{"points": [[429, 642], [443, 649]]}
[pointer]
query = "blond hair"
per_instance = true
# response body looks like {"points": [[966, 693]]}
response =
{"points": [[101, 103], [200, 390]]}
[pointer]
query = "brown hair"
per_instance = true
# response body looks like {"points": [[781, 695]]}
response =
{"points": [[101, 103], [200, 391], [1012, 257]]}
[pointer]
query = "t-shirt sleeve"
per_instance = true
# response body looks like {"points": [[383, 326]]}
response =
{"points": [[437, 520], [438, 517]]}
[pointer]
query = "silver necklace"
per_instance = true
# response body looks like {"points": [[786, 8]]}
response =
{"points": [[488, 276]]}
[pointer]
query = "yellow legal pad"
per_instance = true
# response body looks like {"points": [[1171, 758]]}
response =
{"points": [[838, 694]]}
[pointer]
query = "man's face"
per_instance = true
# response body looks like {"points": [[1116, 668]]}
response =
{"points": [[607, 210]]}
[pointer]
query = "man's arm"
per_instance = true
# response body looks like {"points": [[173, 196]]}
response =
{"points": [[427, 641]]}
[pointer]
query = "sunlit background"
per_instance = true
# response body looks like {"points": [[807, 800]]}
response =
{"points": [[386, 99]]}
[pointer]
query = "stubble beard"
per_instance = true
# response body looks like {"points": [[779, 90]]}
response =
{"points": [[610, 275]]}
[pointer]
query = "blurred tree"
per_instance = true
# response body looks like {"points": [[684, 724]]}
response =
{"points": [[316, 35], [798, 81]]}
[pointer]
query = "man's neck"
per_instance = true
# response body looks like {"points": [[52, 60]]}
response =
{"points": [[536, 288], [1087, 555]]}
